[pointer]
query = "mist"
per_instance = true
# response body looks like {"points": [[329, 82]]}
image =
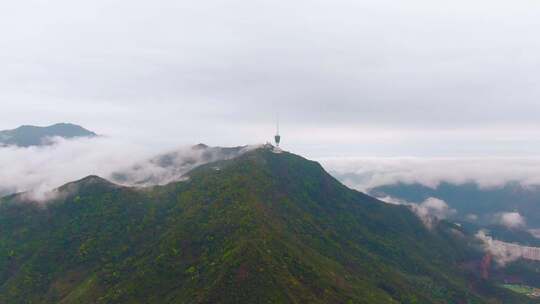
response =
{"points": [[39, 170], [504, 252], [131, 163], [43, 168], [429, 211], [172, 166], [366, 173], [511, 220]]}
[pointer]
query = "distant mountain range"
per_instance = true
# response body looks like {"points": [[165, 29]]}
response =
{"points": [[473, 203], [261, 227], [27, 136]]}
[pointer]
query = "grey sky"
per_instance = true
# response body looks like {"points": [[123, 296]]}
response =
{"points": [[375, 77]]}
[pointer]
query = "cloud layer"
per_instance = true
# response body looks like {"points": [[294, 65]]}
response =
{"points": [[41, 169], [172, 166], [511, 219], [365, 173], [48, 167], [38, 170]]}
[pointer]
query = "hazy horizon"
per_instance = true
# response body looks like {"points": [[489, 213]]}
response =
{"points": [[352, 78]]}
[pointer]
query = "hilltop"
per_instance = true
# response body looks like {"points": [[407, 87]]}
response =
{"points": [[26, 136]]}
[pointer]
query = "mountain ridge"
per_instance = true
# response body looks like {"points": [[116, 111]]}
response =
{"points": [[259, 226], [474, 203]]}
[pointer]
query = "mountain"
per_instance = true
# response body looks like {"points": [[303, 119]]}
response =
{"points": [[263, 227], [482, 204], [26, 136]]}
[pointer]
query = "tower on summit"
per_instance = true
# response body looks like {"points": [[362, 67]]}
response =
{"points": [[277, 138]]}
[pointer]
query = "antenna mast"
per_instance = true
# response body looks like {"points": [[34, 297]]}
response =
{"points": [[277, 138]]}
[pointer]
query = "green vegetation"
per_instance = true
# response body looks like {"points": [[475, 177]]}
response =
{"points": [[265, 228], [520, 288], [524, 290]]}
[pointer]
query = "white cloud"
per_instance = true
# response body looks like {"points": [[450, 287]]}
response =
{"points": [[511, 219], [38, 170], [41, 169], [429, 211], [437, 207], [172, 166], [502, 253], [363, 173]]}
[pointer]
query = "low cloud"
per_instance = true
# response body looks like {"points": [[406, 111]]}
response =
{"points": [[504, 252], [429, 211], [432, 210], [499, 250], [39, 170], [535, 233], [510, 219], [366, 173], [172, 166]]}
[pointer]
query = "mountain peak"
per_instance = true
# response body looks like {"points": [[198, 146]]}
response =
{"points": [[91, 183], [93, 180], [287, 171], [28, 135], [200, 146]]}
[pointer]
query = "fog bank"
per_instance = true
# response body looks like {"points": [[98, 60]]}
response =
{"points": [[369, 172]]}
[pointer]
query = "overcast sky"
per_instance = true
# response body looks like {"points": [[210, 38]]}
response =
{"points": [[358, 77]]}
